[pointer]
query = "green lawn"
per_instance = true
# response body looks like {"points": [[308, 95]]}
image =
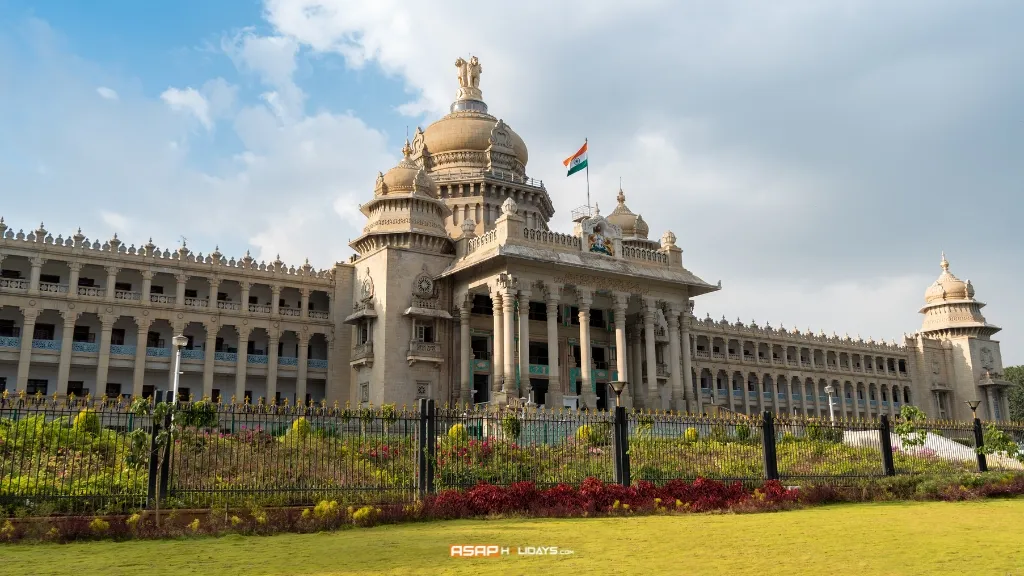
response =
{"points": [[899, 538]]}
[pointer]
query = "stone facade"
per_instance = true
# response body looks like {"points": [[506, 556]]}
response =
{"points": [[454, 271]]}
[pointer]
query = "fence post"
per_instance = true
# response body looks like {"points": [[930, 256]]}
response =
{"points": [[431, 444], [885, 440], [151, 485], [620, 437], [427, 447], [165, 466], [979, 442], [771, 463]]}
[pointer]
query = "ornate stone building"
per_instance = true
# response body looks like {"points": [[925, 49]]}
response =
{"points": [[459, 291]]}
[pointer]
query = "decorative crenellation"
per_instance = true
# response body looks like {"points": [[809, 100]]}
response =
{"points": [[549, 237], [767, 332], [483, 240], [81, 245], [645, 254]]}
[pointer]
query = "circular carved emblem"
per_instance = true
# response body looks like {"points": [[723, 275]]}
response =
{"points": [[180, 315], [277, 324], [71, 306], [213, 318], [145, 312], [111, 309], [31, 302]]}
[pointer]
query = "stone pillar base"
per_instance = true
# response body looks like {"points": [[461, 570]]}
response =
{"points": [[502, 397]]}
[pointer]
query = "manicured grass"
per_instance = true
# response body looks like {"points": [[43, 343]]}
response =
{"points": [[981, 537]]}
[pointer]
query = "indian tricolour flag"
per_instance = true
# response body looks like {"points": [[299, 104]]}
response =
{"points": [[577, 161]]}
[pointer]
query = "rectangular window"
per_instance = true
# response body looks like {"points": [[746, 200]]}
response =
{"points": [[312, 306], [11, 274], [597, 319], [222, 297], [43, 332], [482, 304], [364, 332], [574, 316], [479, 346], [3, 383], [49, 278], [156, 289], [37, 386], [8, 329], [424, 332], [117, 337], [247, 397], [216, 395], [538, 311], [364, 392], [597, 354], [254, 300], [153, 340], [539, 353], [148, 391], [76, 388], [81, 334], [126, 286], [218, 345], [191, 293], [113, 390]]}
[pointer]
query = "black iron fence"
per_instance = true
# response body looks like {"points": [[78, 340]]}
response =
{"points": [[81, 455]]}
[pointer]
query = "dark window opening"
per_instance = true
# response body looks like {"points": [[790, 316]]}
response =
{"points": [[81, 334], [191, 293], [49, 278], [481, 388], [38, 387], [126, 286], [148, 390], [222, 297], [153, 340], [77, 388], [574, 316], [156, 289], [539, 353], [113, 390], [254, 300], [538, 311], [216, 395], [43, 332], [597, 319], [482, 304], [8, 329], [597, 354], [11, 274], [479, 346], [87, 282], [117, 337]]}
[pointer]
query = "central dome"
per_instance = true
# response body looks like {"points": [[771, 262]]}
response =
{"points": [[633, 225], [468, 127]]}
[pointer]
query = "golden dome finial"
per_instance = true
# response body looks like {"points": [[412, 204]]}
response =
{"points": [[621, 196], [407, 150], [944, 263]]}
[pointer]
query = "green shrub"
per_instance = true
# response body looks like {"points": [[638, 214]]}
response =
{"points": [[300, 428], [824, 433], [691, 435], [718, 433], [365, 516], [200, 414], [598, 434], [511, 427], [87, 421], [458, 433], [99, 526], [742, 431]]}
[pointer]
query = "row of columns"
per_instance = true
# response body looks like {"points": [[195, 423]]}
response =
{"points": [[138, 376], [506, 293], [814, 365]]}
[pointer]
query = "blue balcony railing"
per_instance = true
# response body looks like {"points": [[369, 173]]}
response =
{"points": [[317, 364], [158, 352], [89, 347], [288, 361], [46, 345], [122, 350], [10, 342], [225, 356], [192, 354], [258, 359]]}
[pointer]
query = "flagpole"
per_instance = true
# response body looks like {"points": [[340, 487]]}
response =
{"points": [[588, 174]]}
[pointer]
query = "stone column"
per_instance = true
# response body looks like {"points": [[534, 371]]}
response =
{"points": [[33, 277], [66, 346], [552, 294], [497, 344], [776, 405], [300, 381], [214, 286], [275, 299], [728, 383], [103, 360], [508, 299], [305, 302], [842, 399], [990, 397], [524, 344], [179, 292], [209, 351], [674, 351], [817, 398], [246, 286], [76, 269], [636, 371], [620, 300], [653, 396], [466, 355], [111, 282], [147, 286], [28, 328], [687, 379], [242, 361], [589, 397], [274, 337], [139, 369]]}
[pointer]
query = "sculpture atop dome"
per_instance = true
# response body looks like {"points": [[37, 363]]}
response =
{"points": [[469, 79]]}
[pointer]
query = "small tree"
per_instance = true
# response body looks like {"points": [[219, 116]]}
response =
{"points": [[907, 427], [998, 442], [158, 412]]}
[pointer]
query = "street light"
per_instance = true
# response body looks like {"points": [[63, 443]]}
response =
{"points": [[973, 404], [178, 342], [618, 386], [831, 409]]}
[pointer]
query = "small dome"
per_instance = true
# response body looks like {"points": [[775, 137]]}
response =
{"points": [[948, 287], [405, 178], [632, 225]]}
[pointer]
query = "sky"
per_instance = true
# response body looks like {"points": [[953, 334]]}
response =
{"points": [[816, 157]]}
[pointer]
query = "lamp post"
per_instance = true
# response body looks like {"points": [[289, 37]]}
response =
{"points": [[973, 405], [179, 342], [831, 407], [618, 386]]}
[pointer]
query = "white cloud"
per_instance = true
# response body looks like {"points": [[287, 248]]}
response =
{"points": [[116, 221], [107, 93], [189, 101]]}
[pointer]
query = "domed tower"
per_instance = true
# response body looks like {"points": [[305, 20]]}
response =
{"points": [[955, 355], [477, 161], [400, 324], [634, 229]]}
